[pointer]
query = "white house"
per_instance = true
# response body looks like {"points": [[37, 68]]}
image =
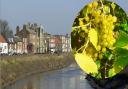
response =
{"points": [[3, 45], [3, 48]]}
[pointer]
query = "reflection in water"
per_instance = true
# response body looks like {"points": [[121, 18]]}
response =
{"points": [[68, 78], [29, 85]]}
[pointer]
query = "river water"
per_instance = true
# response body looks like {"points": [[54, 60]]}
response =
{"points": [[68, 78]]}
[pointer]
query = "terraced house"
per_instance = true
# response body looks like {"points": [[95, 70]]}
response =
{"points": [[60, 43], [31, 38]]}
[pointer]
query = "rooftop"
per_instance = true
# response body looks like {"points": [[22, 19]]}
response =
{"points": [[2, 39]]}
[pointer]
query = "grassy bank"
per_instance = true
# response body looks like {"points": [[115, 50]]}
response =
{"points": [[15, 67]]}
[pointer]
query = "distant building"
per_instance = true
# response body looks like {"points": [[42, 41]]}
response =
{"points": [[32, 38], [47, 37], [11, 45], [60, 43], [68, 43], [65, 42], [55, 44], [18, 45], [3, 45]]}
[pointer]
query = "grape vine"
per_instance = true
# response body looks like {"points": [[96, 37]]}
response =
{"points": [[95, 34]]}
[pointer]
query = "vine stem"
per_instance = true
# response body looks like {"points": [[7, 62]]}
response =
{"points": [[102, 6], [80, 26], [84, 46]]}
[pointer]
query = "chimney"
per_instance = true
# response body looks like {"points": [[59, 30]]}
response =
{"points": [[17, 29], [24, 27]]}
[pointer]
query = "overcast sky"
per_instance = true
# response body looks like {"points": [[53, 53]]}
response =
{"points": [[56, 16]]}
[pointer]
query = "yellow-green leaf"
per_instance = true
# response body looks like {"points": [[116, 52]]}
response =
{"points": [[112, 72], [86, 63], [93, 37], [125, 47], [106, 9], [113, 6]]}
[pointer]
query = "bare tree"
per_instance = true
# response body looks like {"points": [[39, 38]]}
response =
{"points": [[5, 30]]}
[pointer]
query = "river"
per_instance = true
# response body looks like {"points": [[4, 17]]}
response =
{"points": [[67, 78]]}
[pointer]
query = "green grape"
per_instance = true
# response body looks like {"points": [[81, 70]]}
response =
{"points": [[105, 36], [94, 4], [90, 5], [103, 22], [105, 31], [112, 27], [93, 13], [105, 44], [80, 19], [104, 49], [96, 55], [109, 17], [98, 47], [85, 29], [97, 20], [108, 39], [86, 18], [100, 56], [96, 13], [81, 23], [111, 41], [114, 19], [102, 16]]}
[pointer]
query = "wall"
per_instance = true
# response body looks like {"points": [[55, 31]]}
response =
{"points": [[4, 48]]}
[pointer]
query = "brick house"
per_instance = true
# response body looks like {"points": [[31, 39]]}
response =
{"points": [[55, 44], [3, 45], [52, 44], [28, 38], [65, 42], [32, 38]]}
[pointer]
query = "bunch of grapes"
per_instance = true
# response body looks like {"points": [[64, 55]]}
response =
{"points": [[99, 18]]}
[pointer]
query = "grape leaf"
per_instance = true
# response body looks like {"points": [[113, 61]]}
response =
{"points": [[111, 72], [84, 11], [121, 61], [123, 26], [126, 47], [97, 63], [93, 36], [86, 63], [122, 39], [113, 6], [121, 52]]}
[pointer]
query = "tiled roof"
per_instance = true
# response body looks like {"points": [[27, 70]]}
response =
{"points": [[2, 39]]}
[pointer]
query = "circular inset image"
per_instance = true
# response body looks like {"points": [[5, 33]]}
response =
{"points": [[99, 39]]}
